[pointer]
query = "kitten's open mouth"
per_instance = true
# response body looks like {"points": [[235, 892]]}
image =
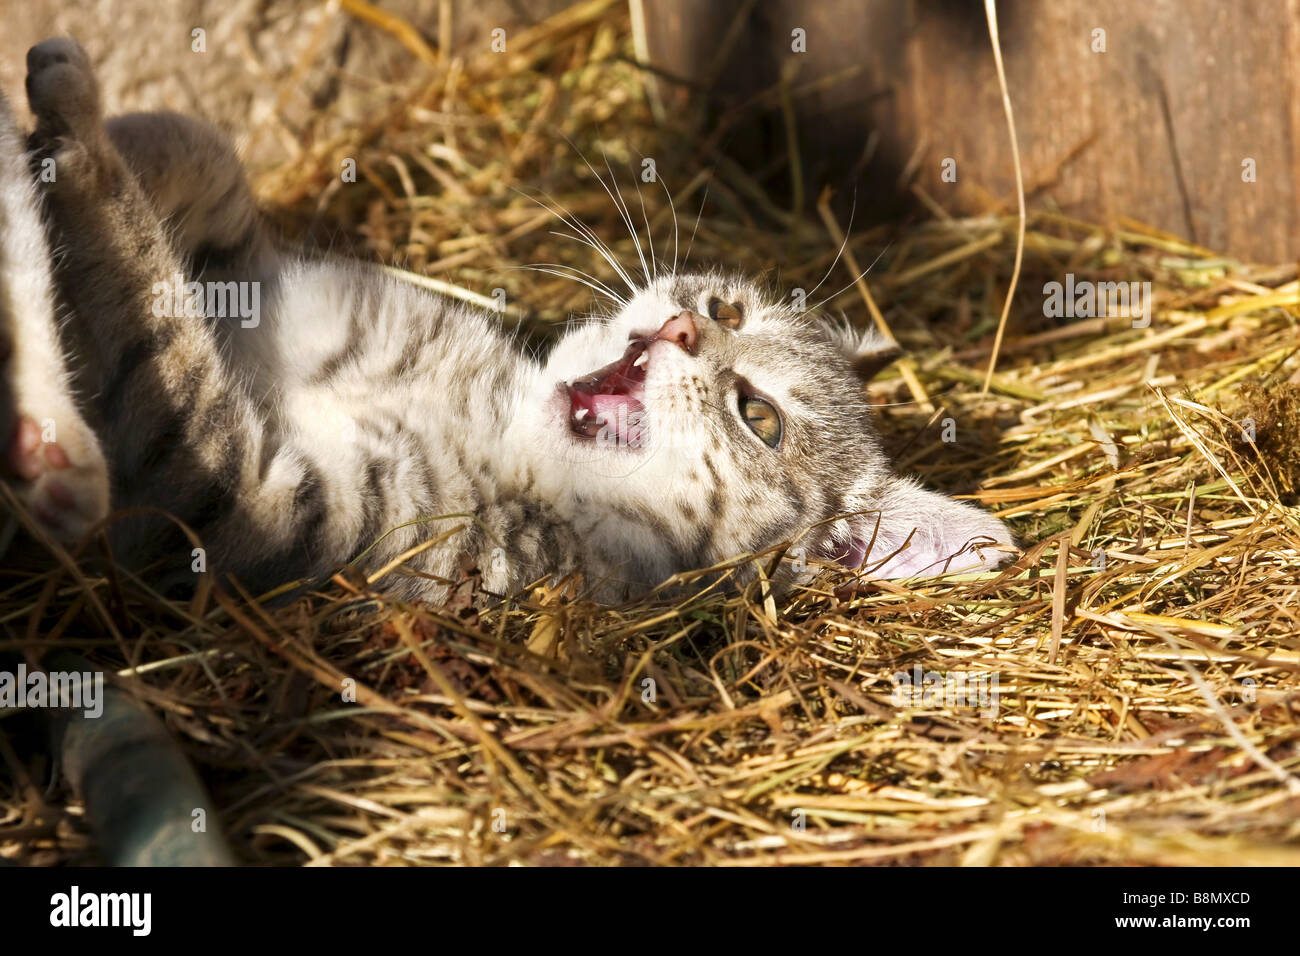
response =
{"points": [[608, 404]]}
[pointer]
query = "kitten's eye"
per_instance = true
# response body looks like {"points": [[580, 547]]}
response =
{"points": [[728, 314], [762, 418]]}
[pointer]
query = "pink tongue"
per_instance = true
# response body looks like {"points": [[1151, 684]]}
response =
{"points": [[621, 414]]}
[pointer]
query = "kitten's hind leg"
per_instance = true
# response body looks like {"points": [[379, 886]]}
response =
{"points": [[195, 181], [186, 168], [48, 454]]}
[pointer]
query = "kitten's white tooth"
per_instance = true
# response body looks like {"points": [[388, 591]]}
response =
{"points": [[641, 359], [580, 414]]}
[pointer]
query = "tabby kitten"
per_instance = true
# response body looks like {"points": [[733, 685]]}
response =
{"points": [[355, 415]]}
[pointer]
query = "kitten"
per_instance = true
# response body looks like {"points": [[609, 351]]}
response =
{"points": [[360, 416]]}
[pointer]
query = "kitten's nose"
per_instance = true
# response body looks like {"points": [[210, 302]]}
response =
{"points": [[680, 329]]}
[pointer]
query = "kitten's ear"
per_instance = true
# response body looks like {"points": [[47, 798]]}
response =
{"points": [[910, 531], [869, 352]]}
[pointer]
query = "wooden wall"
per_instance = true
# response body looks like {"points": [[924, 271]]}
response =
{"points": [[1155, 129]]}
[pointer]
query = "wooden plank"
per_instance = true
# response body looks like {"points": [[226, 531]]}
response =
{"points": [[1155, 129]]}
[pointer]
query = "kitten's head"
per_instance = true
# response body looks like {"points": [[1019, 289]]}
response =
{"points": [[707, 418]]}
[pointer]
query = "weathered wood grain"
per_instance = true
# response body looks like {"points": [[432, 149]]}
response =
{"points": [[1155, 129]]}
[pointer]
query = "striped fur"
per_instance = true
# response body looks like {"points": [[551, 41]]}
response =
{"points": [[360, 416]]}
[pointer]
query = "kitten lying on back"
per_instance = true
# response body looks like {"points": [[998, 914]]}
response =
{"points": [[703, 421]]}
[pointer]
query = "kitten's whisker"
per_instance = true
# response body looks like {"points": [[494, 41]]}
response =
{"points": [[631, 226], [614, 296], [577, 275], [843, 243], [592, 240], [595, 242], [581, 240], [594, 284], [698, 216], [618, 204], [645, 218], [856, 278], [673, 209]]}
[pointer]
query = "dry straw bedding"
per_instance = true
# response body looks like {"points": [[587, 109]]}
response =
{"points": [[1147, 702]]}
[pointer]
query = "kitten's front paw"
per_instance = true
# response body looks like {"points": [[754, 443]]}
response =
{"points": [[64, 483]]}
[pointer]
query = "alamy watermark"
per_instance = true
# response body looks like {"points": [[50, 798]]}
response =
{"points": [[179, 299], [72, 690], [946, 689], [1083, 299], [627, 430], [133, 911]]}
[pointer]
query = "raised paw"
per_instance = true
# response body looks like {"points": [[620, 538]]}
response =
{"points": [[65, 492], [62, 90], [64, 96]]}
